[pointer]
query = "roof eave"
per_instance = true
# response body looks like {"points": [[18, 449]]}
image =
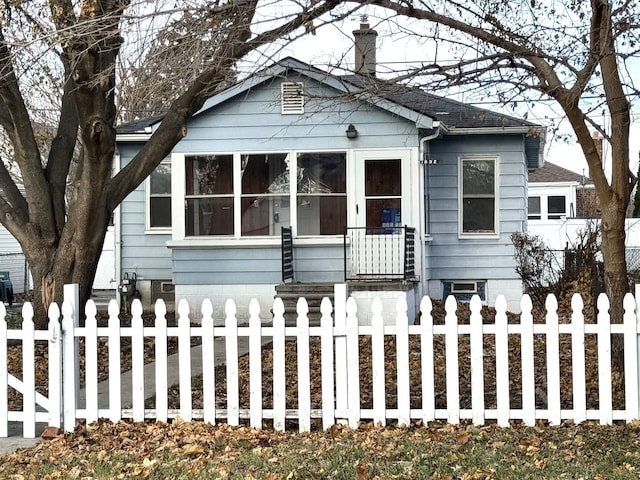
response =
{"points": [[133, 137], [525, 129]]}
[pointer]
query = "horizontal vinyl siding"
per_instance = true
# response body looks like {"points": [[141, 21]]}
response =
{"points": [[254, 123], [146, 255], [451, 257]]}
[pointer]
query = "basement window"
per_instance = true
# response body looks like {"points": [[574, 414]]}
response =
{"points": [[292, 97], [463, 290]]}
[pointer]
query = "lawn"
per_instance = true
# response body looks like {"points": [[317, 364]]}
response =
{"points": [[196, 450]]}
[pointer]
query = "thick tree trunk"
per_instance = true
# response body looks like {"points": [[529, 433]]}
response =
{"points": [[70, 262]]}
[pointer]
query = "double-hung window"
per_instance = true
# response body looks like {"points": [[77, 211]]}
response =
{"points": [[159, 198], [478, 195]]}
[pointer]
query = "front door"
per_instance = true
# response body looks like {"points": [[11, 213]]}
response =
{"points": [[380, 211]]}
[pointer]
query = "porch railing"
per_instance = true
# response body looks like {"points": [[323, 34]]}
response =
{"points": [[379, 253], [287, 254]]}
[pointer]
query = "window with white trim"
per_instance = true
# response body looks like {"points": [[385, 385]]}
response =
{"points": [[159, 197], [478, 195], [254, 195]]}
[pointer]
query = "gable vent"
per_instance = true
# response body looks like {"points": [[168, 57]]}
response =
{"points": [[292, 97]]}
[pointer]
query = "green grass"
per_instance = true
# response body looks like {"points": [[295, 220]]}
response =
{"points": [[193, 450]]}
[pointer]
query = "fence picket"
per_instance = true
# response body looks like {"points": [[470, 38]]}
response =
{"points": [[340, 312], [4, 375], [279, 379], [378, 363], [605, 398], [91, 362], [451, 358], [477, 361], [304, 380], [28, 373], [553, 361], [426, 361], [255, 364], [137, 361], [528, 363], [208, 363], [327, 359], [353, 365], [402, 362], [115, 358], [184, 360], [578, 360], [231, 339], [162, 370], [502, 362]]}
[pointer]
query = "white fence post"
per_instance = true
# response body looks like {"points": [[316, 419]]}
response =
{"points": [[55, 366], [184, 361], [69, 369], [631, 358], [4, 375], [91, 363]]}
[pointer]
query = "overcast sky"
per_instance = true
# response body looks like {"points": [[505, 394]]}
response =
{"points": [[333, 45]]}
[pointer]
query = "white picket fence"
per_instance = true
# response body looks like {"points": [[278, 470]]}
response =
{"points": [[341, 378]]}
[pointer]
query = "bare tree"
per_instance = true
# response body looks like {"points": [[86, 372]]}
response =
{"points": [[78, 44], [581, 54]]}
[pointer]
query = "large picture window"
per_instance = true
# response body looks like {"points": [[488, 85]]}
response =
{"points": [[159, 201], [251, 195], [478, 184], [321, 193]]}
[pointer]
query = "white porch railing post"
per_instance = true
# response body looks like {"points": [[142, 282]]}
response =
{"points": [[340, 322]]}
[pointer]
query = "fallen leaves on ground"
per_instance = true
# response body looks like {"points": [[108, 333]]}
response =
{"points": [[197, 450]]}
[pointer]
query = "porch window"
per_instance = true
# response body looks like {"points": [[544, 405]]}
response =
{"points": [[209, 195], [478, 186], [321, 193], [159, 197], [265, 194]]}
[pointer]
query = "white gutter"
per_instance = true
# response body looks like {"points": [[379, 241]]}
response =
{"points": [[492, 130]]}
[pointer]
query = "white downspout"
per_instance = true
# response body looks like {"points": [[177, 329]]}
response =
{"points": [[117, 229], [425, 220]]}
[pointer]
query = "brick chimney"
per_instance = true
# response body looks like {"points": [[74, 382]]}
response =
{"points": [[365, 48]]}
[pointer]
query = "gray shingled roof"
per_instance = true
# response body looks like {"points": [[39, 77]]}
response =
{"points": [[451, 113], [551, 172]]}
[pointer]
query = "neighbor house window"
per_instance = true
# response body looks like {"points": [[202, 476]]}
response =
{"points": [[159, 197], [209, 195], [478, 185], [265, 194], [556, 207], [534, 208], [321, 193]]}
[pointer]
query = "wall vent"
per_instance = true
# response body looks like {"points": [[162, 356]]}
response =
{"points": [[292, 97]]}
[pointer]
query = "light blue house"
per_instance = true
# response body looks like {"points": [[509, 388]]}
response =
{"points": [[394, 190]]}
